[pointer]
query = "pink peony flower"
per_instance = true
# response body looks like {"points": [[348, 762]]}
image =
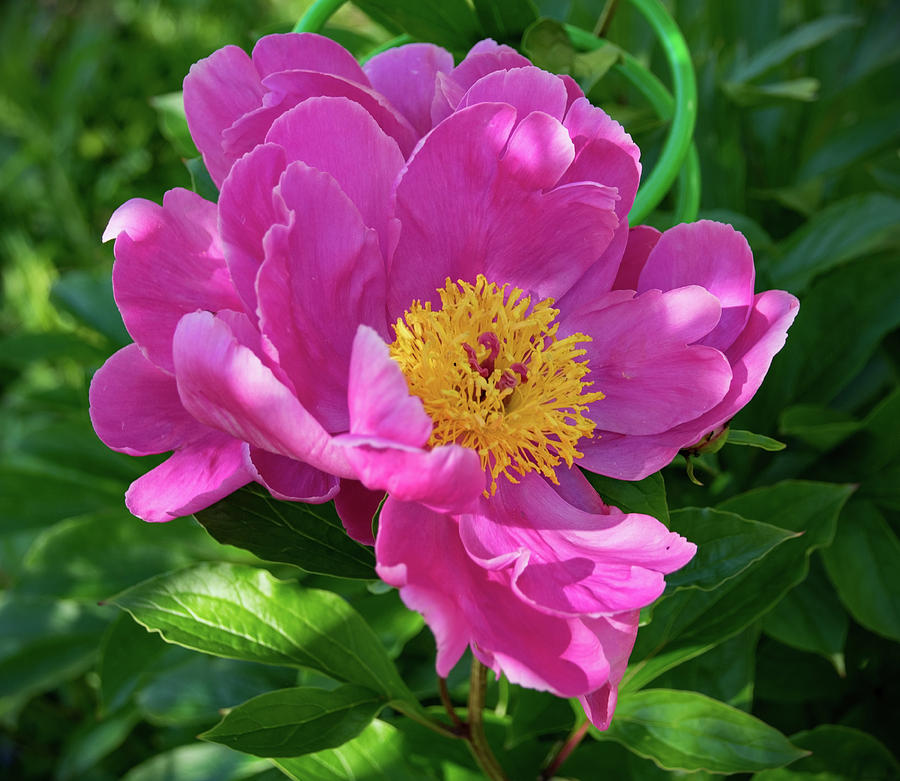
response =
{"points": [[419, 281]]}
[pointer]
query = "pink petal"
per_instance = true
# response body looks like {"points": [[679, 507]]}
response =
{"points": [[627, 457], [641, 240], [419, 552], [225, 385], [643, 360], [617, 633], [486, 57], [135, 407], [305, 51], [538, 153], [714, 256], [388, 428], [168, 262], [597, 281], [338, 136], [191, 479], [357, 506], [406, 77], [464, 212], [247, 210], [323, 276], [586, 122], [603, 161], [218, 91], [290, 480], [568, 561], [527, 89]]}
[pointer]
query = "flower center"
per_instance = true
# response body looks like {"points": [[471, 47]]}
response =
{"points": [[493, 377]]}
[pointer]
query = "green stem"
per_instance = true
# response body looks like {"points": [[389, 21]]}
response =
{"points": [[416, 714], [478, 744], [461, 727], [316, 16]]}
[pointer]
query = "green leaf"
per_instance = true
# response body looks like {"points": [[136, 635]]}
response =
{"points": [[839, 753], [450, 23], [726, 545], [691, 621], [738, 437], [505, 20], [682, 730], [201, 181], [241, 612], [377, 753], [309, 536], [18, 350], [647, 496], [848, 229], [799, 40], [819, 426], [91, 742], [810, 618], [864, 566], [547, 45], [805, 90], [298, 721], [536, 713], [127, 651], [197, 762], [173, 122]]}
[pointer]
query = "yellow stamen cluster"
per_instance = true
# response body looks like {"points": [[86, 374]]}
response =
{"points": [[528, 412]]}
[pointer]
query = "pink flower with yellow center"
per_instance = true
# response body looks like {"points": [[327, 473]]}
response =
{"points": [[419, 282]]}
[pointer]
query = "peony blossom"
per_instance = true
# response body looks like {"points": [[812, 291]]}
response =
{"points": [[419, 282]]}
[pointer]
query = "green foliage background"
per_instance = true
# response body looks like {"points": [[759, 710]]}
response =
{"points": [[799, 143]]}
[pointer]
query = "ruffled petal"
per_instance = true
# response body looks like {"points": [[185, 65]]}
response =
{"points": [[527, 89], [135, 407], [486, 57], [597, 281], [641, 240], [357, 506], [168, 262], [643, 360], [191, 479], [714, 256], [467, 213], [339, 137], [406, 77], [568, 561], [247, 209], [322, 277], [225, 385], [419, 552], [604, 161], [617, 633], [586, 122], [305, 51], [291, 480], [219, 90]]}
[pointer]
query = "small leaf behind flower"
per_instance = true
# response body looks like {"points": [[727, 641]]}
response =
{"points": [[738, 437]]}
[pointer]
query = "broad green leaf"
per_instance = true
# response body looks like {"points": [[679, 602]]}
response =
{"points": [[190, 689], [691, 621], [201, 181], [377, 753], [44, 642], [536, 713], [241, 612], [309, 536], [393, 622], [848, 229], [725, 673], [92, 741], [748, 438], [681, 730], [726, 545], [298, 721], [799, 40], [197, 762], [647, 496], [173, 122], [450, 23], [811, 618], [505, 20], [839, 753], [547, 45], [819, 426], [88, 295], [599, 760], [864, 566]]}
